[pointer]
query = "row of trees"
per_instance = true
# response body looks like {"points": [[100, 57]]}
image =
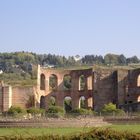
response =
{"points": [[11, 62], [109, 59], [24, 64]]}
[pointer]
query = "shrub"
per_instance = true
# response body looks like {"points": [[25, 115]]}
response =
{"points": [[119, 112], [55, 111], [82, 111], [35, 111], [110, 108], [15, 111], [94, 134]]}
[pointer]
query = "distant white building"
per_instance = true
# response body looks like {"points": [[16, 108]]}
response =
{"points": [[77, 57], [49, 66], [1, 72]]}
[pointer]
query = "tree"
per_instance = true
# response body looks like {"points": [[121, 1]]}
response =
{"points": [[133, 59], [122, 60]]}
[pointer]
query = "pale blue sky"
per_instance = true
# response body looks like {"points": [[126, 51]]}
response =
{"points": [[70, 27]]}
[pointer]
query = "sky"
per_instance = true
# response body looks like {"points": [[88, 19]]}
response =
{"points": [[70, 27]]}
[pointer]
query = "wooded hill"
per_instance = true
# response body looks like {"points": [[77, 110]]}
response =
{"points": [[22, 66]]}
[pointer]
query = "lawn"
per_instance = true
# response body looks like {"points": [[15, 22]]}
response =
{"points": [[62, 131], [41, 131], [129, 128]]}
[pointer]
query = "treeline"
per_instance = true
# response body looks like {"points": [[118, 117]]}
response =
{"points": [[20, 62], [109, 59], [21, 67]]}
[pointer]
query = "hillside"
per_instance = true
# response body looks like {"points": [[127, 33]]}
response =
{"points": [[20, 68]]}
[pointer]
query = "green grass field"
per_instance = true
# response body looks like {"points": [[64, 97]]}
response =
{"points": [[61, 131], [41, 131], [129, 128]]}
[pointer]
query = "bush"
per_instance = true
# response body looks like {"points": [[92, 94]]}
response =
{"points": [[35, 111], [55, 111], [110, 108], [119, 112], [94, 134], [82, 111], [15, 111]]}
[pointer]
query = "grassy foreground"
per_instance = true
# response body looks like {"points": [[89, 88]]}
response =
{"points": [[63, 131], [92, 134], [129, 128], [41, 131]]}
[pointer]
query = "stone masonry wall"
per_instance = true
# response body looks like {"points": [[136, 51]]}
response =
{"points": [[105, 87], [1, 100], [22, 96]]}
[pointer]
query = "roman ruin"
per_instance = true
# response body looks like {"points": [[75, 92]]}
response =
{"points": [[93, 86]]}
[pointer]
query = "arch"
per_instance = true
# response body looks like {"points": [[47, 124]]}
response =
{"points": [[67, 82], [82, 102], [138, 81], [68, 103], [89, 83], [42, 82], [53, 82], [52, 101], [42, 102], [82, 82], [90, 102], [138, 99]]}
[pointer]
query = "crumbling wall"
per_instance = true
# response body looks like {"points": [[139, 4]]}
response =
{"points": [[122, 86], [23, 96], [1, 100], [60, 93], [105, 87]]}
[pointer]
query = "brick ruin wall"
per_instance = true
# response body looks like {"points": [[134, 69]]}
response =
{"points": [[16, 96], [74, 93], [105, 87], [102, 87], [23, 96], [1, 98]]}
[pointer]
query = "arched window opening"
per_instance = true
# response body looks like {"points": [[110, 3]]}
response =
{"points": [[89, 83], [82, 102], [53, 82], [90, 102], [67, 82], [42, 82], [82, 82], [42, 102], [68, 104], [138, 81], [52, 101], [139, 99]]}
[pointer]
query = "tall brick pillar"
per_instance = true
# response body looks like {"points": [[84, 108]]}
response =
{"points": [[60, 100], [122, 82], [1, 92], [7, 97]]}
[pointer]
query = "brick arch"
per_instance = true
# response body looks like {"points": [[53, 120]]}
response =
{"points": [[60, 93], [135, 77], [138, 99], [42, 81], [42, 102], [138, 81], [82, 102], [67, 82], [67, 103], [53, 82], [82, 82], [52, 101]]}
